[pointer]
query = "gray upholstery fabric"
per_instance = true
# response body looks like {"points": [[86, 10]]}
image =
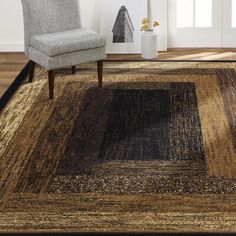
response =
{"points": [[68, 59], [66, 42], [49, 16], [54, 37]]}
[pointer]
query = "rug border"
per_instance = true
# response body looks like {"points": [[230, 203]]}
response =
{"points": [[25, 71]]}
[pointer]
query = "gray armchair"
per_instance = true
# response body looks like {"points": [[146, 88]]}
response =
{"points": [[54, 38]]}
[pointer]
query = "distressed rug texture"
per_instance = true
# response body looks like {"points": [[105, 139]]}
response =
{"points": [[153, 151]]}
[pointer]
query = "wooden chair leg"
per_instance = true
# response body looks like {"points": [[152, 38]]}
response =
{"points": [[51, 77], [73, 69], [100, 72], [31, 71]]}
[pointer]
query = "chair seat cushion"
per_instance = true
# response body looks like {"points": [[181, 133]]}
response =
{"points": [[68, 41]]}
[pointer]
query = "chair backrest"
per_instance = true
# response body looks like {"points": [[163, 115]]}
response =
{"points": [[49, 16]]}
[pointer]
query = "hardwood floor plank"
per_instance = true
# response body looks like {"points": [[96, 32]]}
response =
{"points": [[11, 64]]}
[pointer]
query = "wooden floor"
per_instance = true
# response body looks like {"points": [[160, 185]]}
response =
{"points": [[10, 66], [12, 63], [185, 54]]}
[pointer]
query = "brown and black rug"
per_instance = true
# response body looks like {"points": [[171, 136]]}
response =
{"points": [[153, 151]]}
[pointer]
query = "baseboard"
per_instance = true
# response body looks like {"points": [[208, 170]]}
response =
{"points": [[11, 47]]}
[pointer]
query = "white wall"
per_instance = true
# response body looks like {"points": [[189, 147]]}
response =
{"points": [[11, 22], [161, 15], [90, 14], [11, 25]]}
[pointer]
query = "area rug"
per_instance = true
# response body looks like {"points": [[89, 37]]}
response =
{"points": [[154, 150]]}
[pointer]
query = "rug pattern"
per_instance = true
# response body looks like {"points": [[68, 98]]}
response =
{"points": [[154, 150]]}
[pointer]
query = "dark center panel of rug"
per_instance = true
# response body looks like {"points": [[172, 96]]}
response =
{"points": [[135, 124]]}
